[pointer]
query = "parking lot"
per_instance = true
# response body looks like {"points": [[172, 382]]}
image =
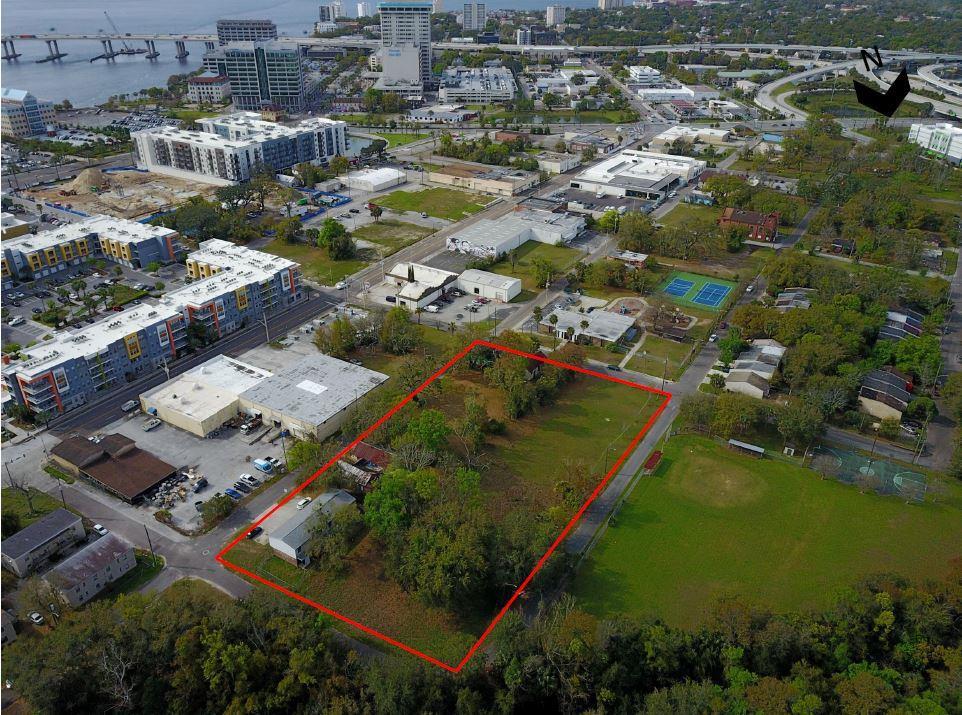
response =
{"points": [[220, 460]]}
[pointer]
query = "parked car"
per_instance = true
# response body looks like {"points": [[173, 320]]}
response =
{"points": [[17, 320], [36, 618], [234, 494], [253, 533], [341, 285], [250, 480], [263, 465], [100, 529], [303, 502], [713, 337], [390, 299], [130, 405], [241, 487], [151, 424], [199, 505], [433, 308], [615, 368], [200, 484], [424, 214]]}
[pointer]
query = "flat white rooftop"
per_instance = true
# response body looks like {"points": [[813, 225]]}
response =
{"points": [[117, 229], [229, 256], [630, 166], [486, 278]]}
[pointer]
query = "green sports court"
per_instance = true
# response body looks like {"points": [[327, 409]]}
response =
{"points": [[697, 291]]}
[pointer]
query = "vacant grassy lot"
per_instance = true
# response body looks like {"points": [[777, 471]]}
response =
{"points": [[561, 257], [439, 202], [314, 261], [570, 442], [844, 104], [689, 213], [712, 523], [651, 357], [392, 235], [394, 140], [14, 502]]}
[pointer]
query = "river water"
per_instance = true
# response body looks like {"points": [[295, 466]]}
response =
{"points": [[86, 83]]}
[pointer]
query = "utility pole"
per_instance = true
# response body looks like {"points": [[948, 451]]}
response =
{"points": [[153, 556], [267, 331]]}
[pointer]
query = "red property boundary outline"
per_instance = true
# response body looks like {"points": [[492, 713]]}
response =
{"points": [[221, 555]]}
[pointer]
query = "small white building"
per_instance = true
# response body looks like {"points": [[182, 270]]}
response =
{"points": [[418, 285], [375, 179], [86, 573], [489, 285], [556, 162], [645, 75], [289, 540], [208, 87]]}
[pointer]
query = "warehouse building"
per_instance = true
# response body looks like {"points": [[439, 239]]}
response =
{"points": [[489, 238], [638, 174], [375, 179], [693, 134], [290, 538], [556, 162], [83, 575], [489, 285], [495, 180], [418, 285]]}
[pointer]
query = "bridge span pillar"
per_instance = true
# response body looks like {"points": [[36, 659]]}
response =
{"points": [[181, 49], [9, 51]]}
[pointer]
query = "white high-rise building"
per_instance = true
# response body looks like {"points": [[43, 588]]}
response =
{"points": [[363, 9], [337, 9], [522, 36], [474, 17], [610, 4], [408, 23], [437, 5], [555, 15]]}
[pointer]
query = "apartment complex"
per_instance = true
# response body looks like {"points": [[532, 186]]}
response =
{"points": [[22, 114], [208, 87], [408, 23], [474, 17], [263, 74], [477, 85], [522, 36], [31, 546], [86, 573], [130, 243], [229, 31], [555, 15], [228, 148], [233, 286]]}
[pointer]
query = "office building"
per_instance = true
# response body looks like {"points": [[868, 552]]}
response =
{"points": [[208, 87], [408, 23], [557, 162], [638, 174], [942, 140], [263, 74], [644, 75], [610, 4], [129, 243], [325, 14], [23, 115], [363, 9], [228, 148], [337, 10], [30, 547], [401, 71], [442, 114], [522, 36], [474, 17], [229, 31], [692, 134], [232, 287], [477, 85], [80, 577], [555, 15]]}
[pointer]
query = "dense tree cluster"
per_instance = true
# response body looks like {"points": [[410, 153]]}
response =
{"points": [[485, 151], [885, 645]]}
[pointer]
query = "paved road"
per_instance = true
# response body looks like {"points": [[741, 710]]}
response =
{"points": [[26, 179], [104, 411]]}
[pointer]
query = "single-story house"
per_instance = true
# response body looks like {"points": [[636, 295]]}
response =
{"points": [[885, 393], [365, 464], [793, 298], [629, 258], [602, 327], [86, 573], [290, 538], [901, 323], [114, 463], [23, 552]]}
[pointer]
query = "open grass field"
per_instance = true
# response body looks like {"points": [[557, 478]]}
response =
{"points": [[676, 281], [392, 235], [439, 202], [314, 261], [654, 352], [712, 523], [844, 104], [561, 257], [395, 139], [688, 213], [575, 439]]}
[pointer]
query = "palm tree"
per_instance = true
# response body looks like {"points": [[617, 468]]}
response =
{"points": [[537, 312], [90, 302], [79, 285]]}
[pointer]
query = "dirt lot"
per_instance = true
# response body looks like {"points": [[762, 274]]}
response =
{"points": [[128, 194]]}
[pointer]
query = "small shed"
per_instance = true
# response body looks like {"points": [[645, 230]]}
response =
{"points": [[752, 450]]}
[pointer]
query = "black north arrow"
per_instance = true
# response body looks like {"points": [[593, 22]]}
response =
{"points": [[884, 103]]}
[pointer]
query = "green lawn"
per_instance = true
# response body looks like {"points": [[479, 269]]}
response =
{"points": [[147, 567], [394, 140], [561, 257], [712, 523], [314, 261], [688, 213], [656, 351], [844, 104], [567, 116], [392, 235], [14, 502], [439, 202], [192, 115], [58, 474]]}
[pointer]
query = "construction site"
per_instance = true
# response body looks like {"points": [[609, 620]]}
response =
{"points": [[127, 193]]}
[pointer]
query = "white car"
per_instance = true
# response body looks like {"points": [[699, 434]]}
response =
{"points": [[36, 618], [17, 320], [713, 337], [432, 308], [340, 285], [100, 529], [151, 424], [130, 405], [303, 502]]}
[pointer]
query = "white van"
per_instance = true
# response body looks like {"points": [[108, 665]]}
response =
{"points": [[17, 320]]}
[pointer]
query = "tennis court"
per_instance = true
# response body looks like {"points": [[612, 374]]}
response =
{"points": [[697, 290]]}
